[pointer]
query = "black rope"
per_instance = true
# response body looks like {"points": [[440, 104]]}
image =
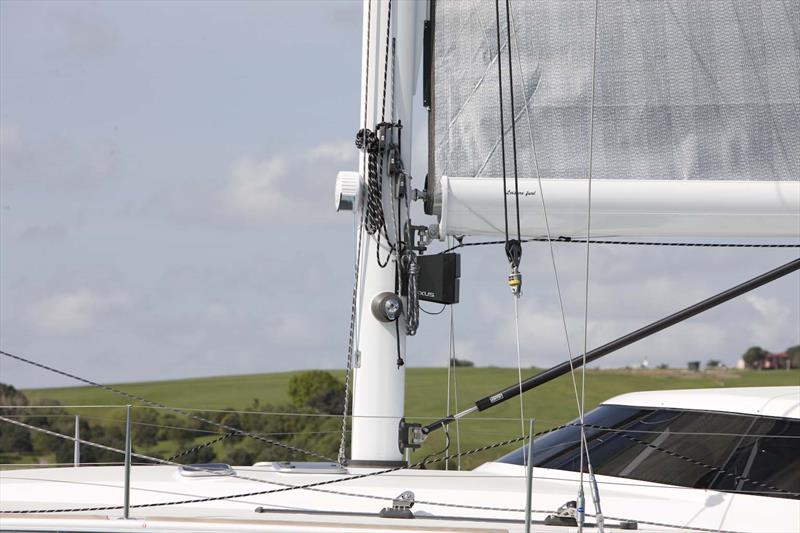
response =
{"points": [[513, 246], [462, 244], [168, 408], [201, 446], [502, 121], [434, 313]]}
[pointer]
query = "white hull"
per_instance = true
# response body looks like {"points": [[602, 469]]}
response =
{"points": [[493, 485]]}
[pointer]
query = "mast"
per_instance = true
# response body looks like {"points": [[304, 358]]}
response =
{"points": [[387, 88]]}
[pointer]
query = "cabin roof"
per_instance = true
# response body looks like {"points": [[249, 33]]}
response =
{"points": [[767, 401]]}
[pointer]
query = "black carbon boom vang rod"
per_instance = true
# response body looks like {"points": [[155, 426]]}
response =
{"points": [[562, 368]]}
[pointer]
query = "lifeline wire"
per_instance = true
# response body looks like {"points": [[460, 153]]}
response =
{"points": [[162, 406], [312, 486]]}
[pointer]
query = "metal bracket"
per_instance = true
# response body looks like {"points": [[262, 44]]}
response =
{"points": [[401, 506], [410, 435], [419, 237]]}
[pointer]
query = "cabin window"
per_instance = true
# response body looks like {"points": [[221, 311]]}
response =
{"points": [[628, 442]]}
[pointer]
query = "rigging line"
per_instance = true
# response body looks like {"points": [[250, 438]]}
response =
{"points": [[200, 446], [450, 367], [80, 441], [502, 124], [351, 343], [386, 59], [515, 261], [571, 240], [452, 363], [513, 119], [352, 338], [519, 375], [549, 239], [162, 406], [583, 448]]}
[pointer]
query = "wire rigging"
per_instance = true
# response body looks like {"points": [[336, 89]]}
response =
{"points": [[530, 116], [584, 450], [513, 246]]}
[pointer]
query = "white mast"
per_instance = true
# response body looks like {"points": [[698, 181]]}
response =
{"points": [[378, 382]]}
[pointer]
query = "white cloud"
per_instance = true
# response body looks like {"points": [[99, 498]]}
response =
{"points": [[339, 150], [254, 186], [73, 311], [772, 318], [264, 187]]}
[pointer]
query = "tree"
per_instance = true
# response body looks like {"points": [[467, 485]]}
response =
{"points": [[317, 389], [754, 356], [11, 396], [713, 363], [794, 356], [462, 363], [145, 430]]}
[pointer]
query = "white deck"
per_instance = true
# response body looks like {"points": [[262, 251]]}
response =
{"points": [[449, 495], [489, 498]]}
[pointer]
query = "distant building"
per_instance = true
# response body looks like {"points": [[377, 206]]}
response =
{"points": [[775, 360], [740, 364], [693, 366]]}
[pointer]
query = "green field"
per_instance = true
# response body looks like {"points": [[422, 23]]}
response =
{"points": [[426, 393]]}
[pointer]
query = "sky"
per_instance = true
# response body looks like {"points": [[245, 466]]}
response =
{"points": [[166, 211]]}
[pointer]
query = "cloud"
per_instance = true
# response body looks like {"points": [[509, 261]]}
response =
{"points": [[339, 150], [772, 318], [254, 187], [279, 184], [73, 311]]}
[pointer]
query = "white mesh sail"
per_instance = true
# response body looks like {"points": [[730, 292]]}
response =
{"points": [[702, 92]]}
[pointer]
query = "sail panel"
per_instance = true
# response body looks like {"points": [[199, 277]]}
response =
{"points": [[684, 90]]}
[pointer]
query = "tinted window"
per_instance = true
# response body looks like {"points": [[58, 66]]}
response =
{"points": [[769, 457], [633, 443]]}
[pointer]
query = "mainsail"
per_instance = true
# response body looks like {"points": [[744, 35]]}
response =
{"points": [[695, 109]]}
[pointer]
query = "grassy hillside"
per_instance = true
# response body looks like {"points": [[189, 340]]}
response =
{"points": [[550, 405]]}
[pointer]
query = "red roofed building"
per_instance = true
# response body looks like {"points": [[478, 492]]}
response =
{"points": [[776, 360]]}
